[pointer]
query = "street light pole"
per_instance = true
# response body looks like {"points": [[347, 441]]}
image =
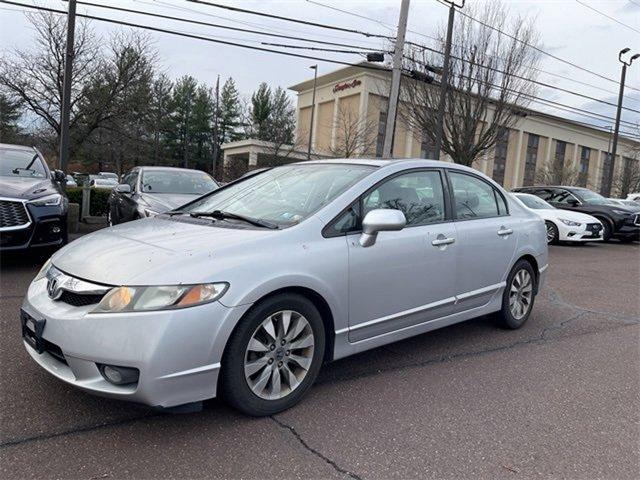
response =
{"points": [[65, 111], [444, 79], [313, 109], [396, 75], [616, 130]]}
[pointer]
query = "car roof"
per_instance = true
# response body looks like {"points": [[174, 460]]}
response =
{"points": [[170, 169], [17, 147], [379, 162]]}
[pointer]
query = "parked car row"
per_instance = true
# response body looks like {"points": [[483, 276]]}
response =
{"points": [[618, 221]]}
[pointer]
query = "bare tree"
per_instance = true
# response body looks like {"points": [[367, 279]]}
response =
{"points": [[554, 172], [354, 135], [102, 77], [628, 180], [489, 82]]}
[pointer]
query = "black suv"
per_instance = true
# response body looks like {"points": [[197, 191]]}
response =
{"points": [[618, 221], [33, 205]]}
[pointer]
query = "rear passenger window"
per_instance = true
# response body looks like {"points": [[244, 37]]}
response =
{"points": [[419, 195], [475, 198]]}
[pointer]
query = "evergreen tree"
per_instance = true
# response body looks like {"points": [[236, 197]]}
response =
{"points": [[10, 113], [230, 113], [179, 134], [261, 111]]}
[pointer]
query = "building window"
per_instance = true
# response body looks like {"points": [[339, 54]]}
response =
{"points": [[500, 155], [605, 183], [561, 150], [382, 124], [531, 159], [583, 173], [427, 147]]}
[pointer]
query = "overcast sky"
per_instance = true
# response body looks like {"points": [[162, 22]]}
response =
{"points": [[567, 29]]}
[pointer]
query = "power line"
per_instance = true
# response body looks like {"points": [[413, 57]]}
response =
{"points": [[199, 37], [536, 48], [386, 25], [193, 36], [320, 49], [216, 25], [289, 19], [543, 84], [608, 16]]}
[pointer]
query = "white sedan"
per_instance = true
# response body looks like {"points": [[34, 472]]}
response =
{"points": [[562, 225]]}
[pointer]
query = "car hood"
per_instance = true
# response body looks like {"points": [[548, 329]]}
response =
{"points": [[163, 202], [158, 251], [25, 187]]}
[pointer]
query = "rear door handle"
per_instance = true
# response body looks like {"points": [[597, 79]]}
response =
{"points": [[505, 231], [442, 240]]}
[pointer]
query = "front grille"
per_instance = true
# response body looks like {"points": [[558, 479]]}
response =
{"points": [[79, 300], [594, 227], [13, 214]]}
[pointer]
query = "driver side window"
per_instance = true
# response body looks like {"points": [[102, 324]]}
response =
{"points": [[131, 179], [419, 195]]}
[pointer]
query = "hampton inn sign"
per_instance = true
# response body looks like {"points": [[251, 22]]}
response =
{"points": [[338, 87]]}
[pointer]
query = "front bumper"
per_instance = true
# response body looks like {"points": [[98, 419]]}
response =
{"points": [[177, 352], [628, 228], [584, 233], [47, 228]]}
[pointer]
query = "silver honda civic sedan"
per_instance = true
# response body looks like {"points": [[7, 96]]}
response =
{"points": [[247, 290]]}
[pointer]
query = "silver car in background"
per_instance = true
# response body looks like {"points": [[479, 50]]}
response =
{"points": [[248, 289]]}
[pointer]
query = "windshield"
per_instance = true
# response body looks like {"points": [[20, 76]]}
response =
{"points": [[186, 182], [284, 195], [533, 202], [21, 163], [590, 196]]}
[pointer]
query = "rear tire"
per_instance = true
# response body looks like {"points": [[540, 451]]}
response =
{"points": [[518, 297], [274, 355], [552, 233]]}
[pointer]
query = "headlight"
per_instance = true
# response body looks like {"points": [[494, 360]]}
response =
{"points": [[49, 200], [570, 223], [150, 213], [133, 299], [43, 271]]}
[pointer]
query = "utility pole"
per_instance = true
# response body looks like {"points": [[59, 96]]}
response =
{"points": [[616, 131], [216, 116], [444, 79], [396, 75], [313, 109], [66, 89]]}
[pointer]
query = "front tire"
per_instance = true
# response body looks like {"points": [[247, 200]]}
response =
{"points": [[518, 296], [552, 233], [273, 356], [607, 230]]}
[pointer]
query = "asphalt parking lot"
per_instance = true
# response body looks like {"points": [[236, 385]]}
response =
{"points": [[559, 398]]}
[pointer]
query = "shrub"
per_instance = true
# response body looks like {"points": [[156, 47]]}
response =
{"points": [[98, 200]]}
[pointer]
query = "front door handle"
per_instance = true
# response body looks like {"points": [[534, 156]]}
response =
{"points": [[442, 240], [503, 232]]}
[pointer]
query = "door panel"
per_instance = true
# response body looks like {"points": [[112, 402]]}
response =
{"points": [[401, 280], [404, 278], [487, 239]]}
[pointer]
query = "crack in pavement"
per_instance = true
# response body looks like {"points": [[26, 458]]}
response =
{"points": [[312, 450], [73, 431], [556, 299]]}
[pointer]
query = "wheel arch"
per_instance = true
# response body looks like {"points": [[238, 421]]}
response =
{"points": [[534, 264], [317, 300]]}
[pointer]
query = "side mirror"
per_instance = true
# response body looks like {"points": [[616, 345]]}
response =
{"points": [[123, 188], [573, 202], [380, 220], [59, 176]]}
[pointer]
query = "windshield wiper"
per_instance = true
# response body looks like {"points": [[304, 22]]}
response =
{"points": [[221, 215]]}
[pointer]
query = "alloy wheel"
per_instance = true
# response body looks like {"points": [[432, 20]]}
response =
{"points": [[279, 355], [551, 233], [520, 294]]}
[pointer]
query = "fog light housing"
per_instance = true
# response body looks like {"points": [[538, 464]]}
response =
{"points": [[119, 375]]}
